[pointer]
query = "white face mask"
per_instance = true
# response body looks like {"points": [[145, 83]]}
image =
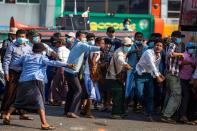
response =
{"points": [[191, 51], [92, 42], [83, 40]]}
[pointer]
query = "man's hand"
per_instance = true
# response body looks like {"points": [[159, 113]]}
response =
{"points": [[160, 78], [54, 55], [6, 77], [127, 67], [180, 55], [72, 66]]}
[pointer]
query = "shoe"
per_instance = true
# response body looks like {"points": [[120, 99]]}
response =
{"points": [[26, 118], [83, 113], [184, 119], [116, 117], [168, 120], [48, 128], [89, 116], [150, 119], [72, 115], [192, 122], [6, 121]]}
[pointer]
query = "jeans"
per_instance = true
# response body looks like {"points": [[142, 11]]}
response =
{"points": [[173, 95], [130, 84], [144, 84]]}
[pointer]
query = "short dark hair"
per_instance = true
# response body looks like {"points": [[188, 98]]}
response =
{"points": [[38, 48], [110, 29], [19, 32], [90, 35], [78, 33], [158, 35], [139, 33], [57, 35], [125, 20], [98, 39], [108, 41], [157, 40]]}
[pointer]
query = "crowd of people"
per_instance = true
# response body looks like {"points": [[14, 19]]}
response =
{"points": [[81, 71]]}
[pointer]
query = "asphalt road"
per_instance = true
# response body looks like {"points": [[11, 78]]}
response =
{"points": [[135, 122]]}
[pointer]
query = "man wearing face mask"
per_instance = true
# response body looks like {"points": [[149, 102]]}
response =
{"points": [[91, 38], [34, 38], [187, 67], [12, 73], [81, 37], [70, 39], [173, 56], [134, 55], [126, 24], [116, 43], [115, 83], [76, 56], [11, 39]]}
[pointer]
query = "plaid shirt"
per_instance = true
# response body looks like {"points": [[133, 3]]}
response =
{"points": [[173, 62]]}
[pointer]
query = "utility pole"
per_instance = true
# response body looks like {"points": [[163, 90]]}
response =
{"points": [[106, 6], [75, 7]]}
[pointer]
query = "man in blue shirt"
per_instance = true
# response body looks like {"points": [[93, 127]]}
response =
{"points": [[76, 57], [135, 53], [12, 73]]}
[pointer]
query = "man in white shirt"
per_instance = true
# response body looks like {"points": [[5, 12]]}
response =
{"points": [[148, 68]]}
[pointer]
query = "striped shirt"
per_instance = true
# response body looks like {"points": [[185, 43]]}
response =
{"points": [[173, 62]]}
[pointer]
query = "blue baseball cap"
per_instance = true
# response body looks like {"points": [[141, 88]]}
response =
{"points": [[190, 45]]}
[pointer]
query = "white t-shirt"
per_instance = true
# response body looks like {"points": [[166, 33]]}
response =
{"points": [[63, 53], [87, 70]]}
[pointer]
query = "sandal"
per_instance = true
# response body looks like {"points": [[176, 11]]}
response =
{"points": [[6, 121], [192, 122], [48, 128]]}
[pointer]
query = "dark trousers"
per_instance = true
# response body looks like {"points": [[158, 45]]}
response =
{"points": [[186, 90], [74, 93], [10, 91], [117, 96]]}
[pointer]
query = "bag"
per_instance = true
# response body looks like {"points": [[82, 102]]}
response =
{"points": [[122, 76], [94, 70]]}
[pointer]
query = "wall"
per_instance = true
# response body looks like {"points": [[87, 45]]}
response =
{"points": [[25, 13]]}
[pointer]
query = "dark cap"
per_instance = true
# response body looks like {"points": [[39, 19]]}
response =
{"points": [[38, 48], [177, 34], [156, 35], [32, 33], [110, 29]]}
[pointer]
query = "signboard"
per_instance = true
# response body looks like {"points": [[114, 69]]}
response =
{"points": [[141, 24], [101, 21], [188, 21]]}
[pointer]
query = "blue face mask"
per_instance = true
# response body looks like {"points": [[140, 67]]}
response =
{"points": [[36, 39], [178, 40], [191, 51], [92, 42], [22, 40], [151, 44], [126, 49], [68, 40]]}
